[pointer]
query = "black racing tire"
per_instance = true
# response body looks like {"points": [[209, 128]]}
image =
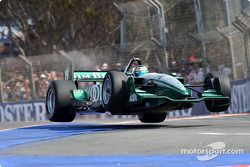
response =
{"points": [[114, 94], [152, 118], [58, 101], [221, 84]]}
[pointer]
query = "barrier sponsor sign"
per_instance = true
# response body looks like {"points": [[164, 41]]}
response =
{"points": [[240, 97], [29, 111], [35, 110]]}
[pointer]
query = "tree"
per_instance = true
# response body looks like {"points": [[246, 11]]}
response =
{"points": [[64, 24]]}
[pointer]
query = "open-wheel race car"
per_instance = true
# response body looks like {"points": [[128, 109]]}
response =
{"points": [[132, 92]]}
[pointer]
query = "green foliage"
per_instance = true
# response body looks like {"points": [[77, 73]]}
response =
{"points": [[66, 24]]}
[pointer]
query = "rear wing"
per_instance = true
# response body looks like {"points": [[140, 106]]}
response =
{"points": [[89, 76]]}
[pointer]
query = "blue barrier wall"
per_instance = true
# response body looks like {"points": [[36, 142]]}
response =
{"points": [[23, 111], [240, 97], [35, 110]]}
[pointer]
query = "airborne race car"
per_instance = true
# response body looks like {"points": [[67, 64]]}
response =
{"points": [[132, 92]]}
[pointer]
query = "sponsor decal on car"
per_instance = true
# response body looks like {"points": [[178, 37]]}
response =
{"points": [[95, 92], [133, 98], [89, 75]]}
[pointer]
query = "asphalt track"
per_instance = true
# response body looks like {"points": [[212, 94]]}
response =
{"points": [[124, 142]]}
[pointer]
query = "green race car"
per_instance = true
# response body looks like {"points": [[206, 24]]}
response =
{"points": [[132, 92]]}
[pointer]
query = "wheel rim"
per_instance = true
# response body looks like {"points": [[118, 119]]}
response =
{"points": [[106, 94], [50, 101]]}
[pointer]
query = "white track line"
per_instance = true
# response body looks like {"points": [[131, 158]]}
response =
{"points": [[29, 126], [121, 122], [225, 134], [208, 116]]}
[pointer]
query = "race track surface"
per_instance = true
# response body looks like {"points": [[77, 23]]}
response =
{"points": [[125, 142]]}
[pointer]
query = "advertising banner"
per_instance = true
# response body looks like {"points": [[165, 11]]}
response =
{"points": [[23, 111], [240, 101]]}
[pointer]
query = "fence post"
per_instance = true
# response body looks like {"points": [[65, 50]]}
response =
{"points": [[228, 37], [122, 38], [29, 63], [1, 87], [200, 29], [71, 67], [162, 33]]}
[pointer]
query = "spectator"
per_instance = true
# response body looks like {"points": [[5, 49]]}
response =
{"points": [[27, 91], [42, 86], [97, 68], [105, 67], [35, 78], [118, 67], [49, 78], [53, 75], [7, 92], [227, 71], [60, 75], [196, 75]]}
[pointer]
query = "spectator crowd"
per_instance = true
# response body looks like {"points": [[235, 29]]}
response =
{"points": [[18, 87]]}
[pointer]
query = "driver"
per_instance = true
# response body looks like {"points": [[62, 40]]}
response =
{"points": [[140, 70]]}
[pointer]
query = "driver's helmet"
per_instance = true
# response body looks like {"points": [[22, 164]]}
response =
{"points": [[140, 70]]}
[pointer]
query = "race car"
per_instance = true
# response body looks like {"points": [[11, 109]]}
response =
{"points": [[135, 91]]}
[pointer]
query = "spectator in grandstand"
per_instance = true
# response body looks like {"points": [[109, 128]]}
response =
{"points": [[21, 92], [17, 91], [196, 75], [97, 68], [105, 67], [60, 75], [6, 91], [35, 78], [27, 90], [53, 75], [118, 67], [184, 74], [36, 81], [42, 86], [227, 71], [49, 76], [224, 69]]}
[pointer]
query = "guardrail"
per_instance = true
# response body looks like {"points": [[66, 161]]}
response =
{"points": [[35, 110]]}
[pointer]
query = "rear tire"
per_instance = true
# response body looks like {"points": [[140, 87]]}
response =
{"points": [[114, 95], [152, 118], [58, 101], [221, 84]]}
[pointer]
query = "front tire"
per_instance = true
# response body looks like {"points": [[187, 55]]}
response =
{"points": [[221, 84], [58, 101], [152, 118]]}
